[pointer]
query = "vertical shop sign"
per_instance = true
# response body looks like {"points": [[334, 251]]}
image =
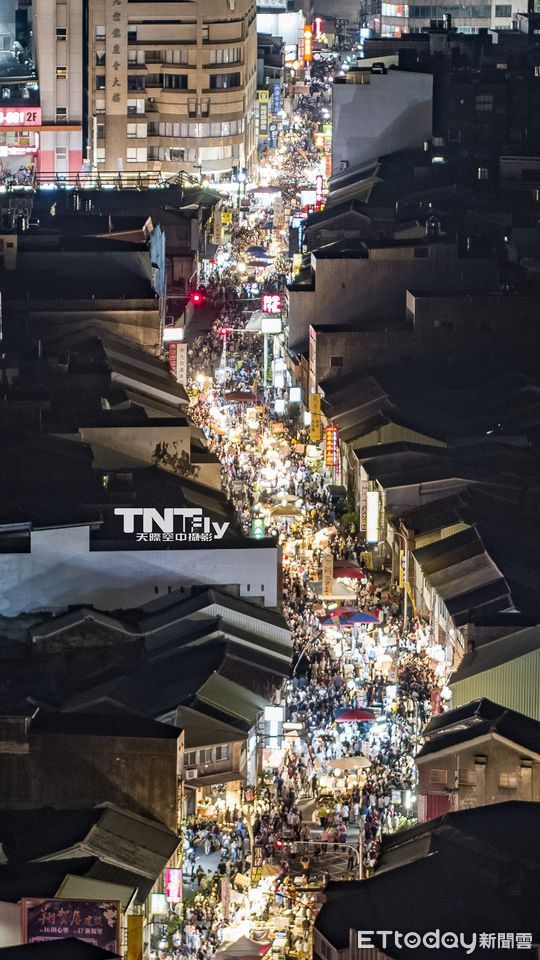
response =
{"points": [[116, 57]]}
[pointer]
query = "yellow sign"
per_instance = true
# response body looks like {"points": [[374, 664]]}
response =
{"points": [[134, 937], [226, 216], [315, 404], [263, 96], [401, 569], [327, 574]]}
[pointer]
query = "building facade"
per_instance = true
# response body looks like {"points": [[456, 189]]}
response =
{"points": [[58, 40], [169, 91]]}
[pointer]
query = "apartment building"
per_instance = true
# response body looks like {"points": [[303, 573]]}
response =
{"points": [[171, 86], [58, 45]]}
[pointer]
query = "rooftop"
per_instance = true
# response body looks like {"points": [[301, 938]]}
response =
{"points": [[477, 719]]}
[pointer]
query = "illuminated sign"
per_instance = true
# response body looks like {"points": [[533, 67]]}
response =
{"points": [[331, 446], [173, 334], [17, 151], [271, 303], [319, 140], [173, 524], [158, 905], [92, 921], [271, 324], [319, 188], [372, 519], [317, 28], [258, 531], [173, 885], [21, 118], [315, 427], [308, 43]]}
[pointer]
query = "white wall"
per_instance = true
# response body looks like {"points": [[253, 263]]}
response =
{"points": [[392, 112], [60, 570]]}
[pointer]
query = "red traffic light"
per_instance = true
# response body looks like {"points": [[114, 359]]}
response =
{"points": [[197, 298]]}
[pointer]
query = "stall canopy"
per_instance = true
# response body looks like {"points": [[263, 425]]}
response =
{"points": [[243, 947], [354, 714], [349, 763]]}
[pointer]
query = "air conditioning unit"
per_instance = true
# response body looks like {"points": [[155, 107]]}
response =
{"points": [[190, 774]]}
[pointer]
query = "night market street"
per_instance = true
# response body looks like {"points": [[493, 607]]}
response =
{"points": [[361, 685]]}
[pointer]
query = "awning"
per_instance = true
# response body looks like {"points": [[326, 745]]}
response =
{"points": [[338, 591], [216, 779]]}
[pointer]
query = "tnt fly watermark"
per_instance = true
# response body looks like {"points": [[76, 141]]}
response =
{"points": [[171, 525], [445, 939]]}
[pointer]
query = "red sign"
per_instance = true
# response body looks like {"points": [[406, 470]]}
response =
{"points": [[271, 303], [331, 446], [308, 43], [317, 28], [21, 117], [171, 350]]}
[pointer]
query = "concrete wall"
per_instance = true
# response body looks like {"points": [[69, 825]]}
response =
{"points": [[135, 773], [501, 759], [61, 570], [391, 112], [355, 349], [112, 445], [484, 324], [349, 291]]}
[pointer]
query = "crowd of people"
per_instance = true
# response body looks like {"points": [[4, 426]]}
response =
{"points": [[312, 810]]}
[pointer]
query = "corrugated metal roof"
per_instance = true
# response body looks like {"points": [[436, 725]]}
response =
{"points": [[85, 888]]}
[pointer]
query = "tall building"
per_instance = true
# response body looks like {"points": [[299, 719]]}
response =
{"points": [[171, 87], [58, 45]]}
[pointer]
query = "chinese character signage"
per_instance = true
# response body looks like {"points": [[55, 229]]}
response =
{"points": [[173, 885], [273, 135], [93, 921], [327, 585], [372, 519], [308, 43], [263, 96], [258, 531], [20, 117], [116, 80], [171, 527], [331, 446], [315, 429], [271, 303], [276, 98], [317, 28]]}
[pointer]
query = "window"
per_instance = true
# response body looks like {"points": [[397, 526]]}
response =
{"points": [[176, 56], [467, 778], [509, 781], [135, 106], [191, 759], [177, 154], [503, 9], [484, 103], [100, 106], [174, 81], [135, 83], [215, 153], [205, 32], [438, 776], [61, 33], [61, 114], [100, 83], [61, 73], [100, 33], [192, 108], [228, 55], [132, 34], [222, 753], [336, 361], [100, 131], [100, 155], [136, 58], [100, 58], [137, 131], [205, 108], [205, 756], [224, 81], [136, 155]]}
